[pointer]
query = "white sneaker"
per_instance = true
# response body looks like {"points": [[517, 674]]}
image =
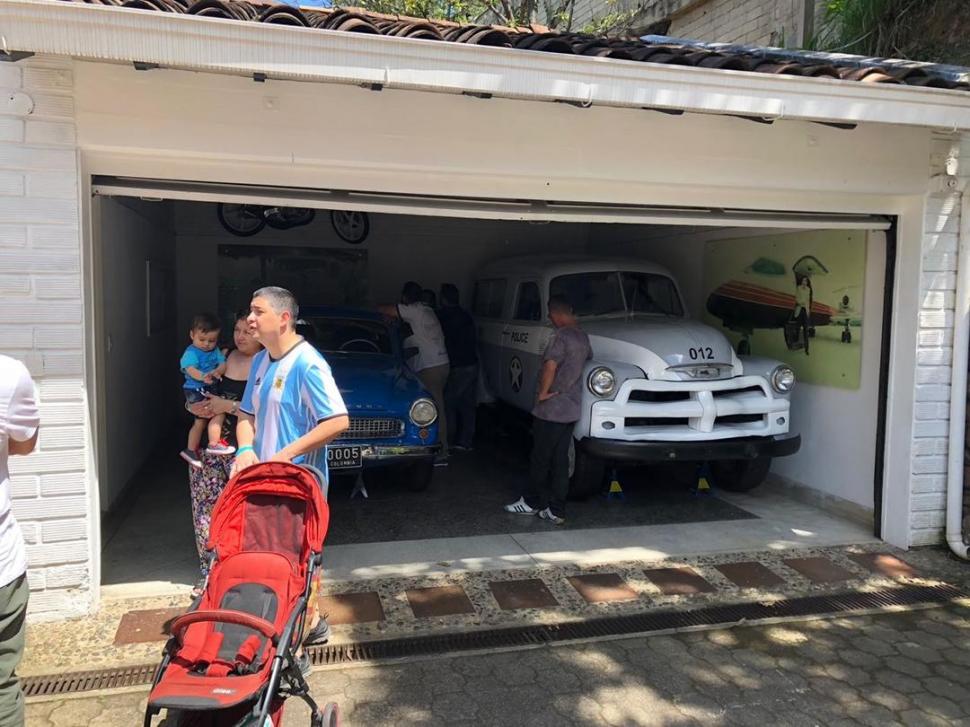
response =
{"points": [[554, 519], [220, 448], [521, 507]]}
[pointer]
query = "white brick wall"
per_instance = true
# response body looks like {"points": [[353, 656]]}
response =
{"points": [[936, 320], [763, 22], [757, 22], [40, 286]]}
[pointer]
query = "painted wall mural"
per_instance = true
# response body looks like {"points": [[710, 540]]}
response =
{"points": [[796, 297]]}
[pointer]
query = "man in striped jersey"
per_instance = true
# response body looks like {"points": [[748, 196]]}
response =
{"points": [[291, 407]]}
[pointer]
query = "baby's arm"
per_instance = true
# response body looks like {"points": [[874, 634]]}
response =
{"points": [[220, 369], [194, 373], [189, 364]]}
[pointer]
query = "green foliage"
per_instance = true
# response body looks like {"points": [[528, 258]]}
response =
{"points": [[926, 30], [863, 27], [460, 11], [611, 21], [501, 12]]}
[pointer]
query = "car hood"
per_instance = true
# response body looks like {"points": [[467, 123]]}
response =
{"points": [[370, 382], [654, 343]]}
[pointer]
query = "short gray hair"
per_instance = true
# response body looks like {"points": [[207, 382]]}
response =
{"points": [[280, 300]]}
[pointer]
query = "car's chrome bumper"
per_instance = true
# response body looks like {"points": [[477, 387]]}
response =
{"points": [[380, 455]]}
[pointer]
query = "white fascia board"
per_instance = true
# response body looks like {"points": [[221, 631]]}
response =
{"points": [[113, 34]]}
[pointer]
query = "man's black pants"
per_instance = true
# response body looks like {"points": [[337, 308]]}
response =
{"points": [[549, 466]]}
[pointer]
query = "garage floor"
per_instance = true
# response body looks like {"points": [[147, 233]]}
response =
{"points": [[466, 498], [458, 524]]}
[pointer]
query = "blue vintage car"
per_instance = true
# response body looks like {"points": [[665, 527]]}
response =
{"points": [[393, 419]]}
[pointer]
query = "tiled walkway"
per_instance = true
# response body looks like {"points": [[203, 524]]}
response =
{"points": [[129, 632]]}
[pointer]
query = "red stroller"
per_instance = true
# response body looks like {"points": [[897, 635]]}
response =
{"points": [[231, 658]]}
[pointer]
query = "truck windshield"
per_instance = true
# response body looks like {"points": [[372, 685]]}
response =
{"points": [[606, 293]]}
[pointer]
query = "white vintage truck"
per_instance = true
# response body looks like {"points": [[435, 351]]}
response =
{"points": [[660, 386]]}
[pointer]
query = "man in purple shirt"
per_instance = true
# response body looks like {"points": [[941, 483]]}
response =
{"points": [[557, 409]]}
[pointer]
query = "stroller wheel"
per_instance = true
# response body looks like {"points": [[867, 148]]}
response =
{"points": [[330, 717]]}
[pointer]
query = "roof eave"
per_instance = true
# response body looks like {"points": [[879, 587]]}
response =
{"points": [[106, 33]]}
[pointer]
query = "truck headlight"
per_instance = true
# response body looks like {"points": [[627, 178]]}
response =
{"points": [[602, 381], [783, 379], [423, 412]]}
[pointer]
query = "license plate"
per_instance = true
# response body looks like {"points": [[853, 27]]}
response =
{"points": [[342, 458]]}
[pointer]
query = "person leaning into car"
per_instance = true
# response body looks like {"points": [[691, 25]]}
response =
{"points": [[431, 362]]}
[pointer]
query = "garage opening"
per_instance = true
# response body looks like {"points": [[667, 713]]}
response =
{"points": [[166, 253]]}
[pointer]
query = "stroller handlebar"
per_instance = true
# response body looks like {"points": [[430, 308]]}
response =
{"points": [[239, 618]]}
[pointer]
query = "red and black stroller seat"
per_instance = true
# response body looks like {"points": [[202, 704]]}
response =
{"points": [[234, 649]]}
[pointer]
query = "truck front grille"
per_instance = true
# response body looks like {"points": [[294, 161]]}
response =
{"points": [[656, 397], [740, 419], [660, 410], [373, 428], [756, 390], [655, 422]]}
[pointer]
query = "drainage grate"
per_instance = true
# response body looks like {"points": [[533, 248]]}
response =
{"points": [[539, 634], [88, 681], [632, 624]]}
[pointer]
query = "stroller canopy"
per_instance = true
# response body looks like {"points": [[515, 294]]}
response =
{"points": [[271, 506]]}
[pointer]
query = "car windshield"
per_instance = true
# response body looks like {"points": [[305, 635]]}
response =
{"points": [[347, 335], [621, 292]]}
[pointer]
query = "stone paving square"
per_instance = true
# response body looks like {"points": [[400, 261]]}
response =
{"points": [[351, 608], [529, 593], [602, 587], [750, 575], [884, 564], [678, 581], [139, 627], [439, 601], [819, 570]]}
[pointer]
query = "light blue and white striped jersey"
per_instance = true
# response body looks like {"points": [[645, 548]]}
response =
{"points": [[289, 397]]}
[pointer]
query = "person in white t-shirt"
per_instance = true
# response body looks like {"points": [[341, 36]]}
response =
{"points": [[430, 363], [18, 435]]}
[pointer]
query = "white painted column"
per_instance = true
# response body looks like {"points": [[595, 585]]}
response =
{"points": [[935, 353], [42, 324]]}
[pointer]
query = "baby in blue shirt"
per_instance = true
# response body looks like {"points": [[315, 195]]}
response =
{"points": [[203, 365]]}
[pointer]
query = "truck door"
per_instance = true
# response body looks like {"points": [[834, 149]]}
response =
{"points": [[524, 338]]}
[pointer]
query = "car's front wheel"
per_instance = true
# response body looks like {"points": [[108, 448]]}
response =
{"points": [[417, 476]]}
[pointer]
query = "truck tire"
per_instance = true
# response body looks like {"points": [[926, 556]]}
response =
{"points": [[588, 475], [740, 475], [417, 476]]}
